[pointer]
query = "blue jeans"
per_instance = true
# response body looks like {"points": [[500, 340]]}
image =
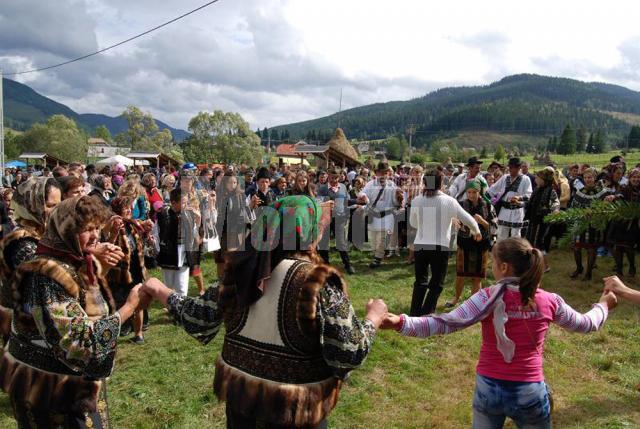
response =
{"points": [[527, 404]]}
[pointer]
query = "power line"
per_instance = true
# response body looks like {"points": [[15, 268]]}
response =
{"points": [[115, 45]]}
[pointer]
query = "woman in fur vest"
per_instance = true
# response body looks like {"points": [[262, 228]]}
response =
{"points": [[127, 233], [65, 330], [292, 335], [32, 203]]}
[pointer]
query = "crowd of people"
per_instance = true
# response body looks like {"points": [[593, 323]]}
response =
{"points": [[78, 243]]}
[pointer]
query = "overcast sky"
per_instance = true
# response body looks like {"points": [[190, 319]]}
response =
{"points": [[281, 61]]}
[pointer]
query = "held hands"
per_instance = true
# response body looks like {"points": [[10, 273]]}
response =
{"points": [[392, 321], [376, 311], [609, 299]]}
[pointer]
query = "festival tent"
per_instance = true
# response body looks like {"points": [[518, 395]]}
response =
{"points": [[118, 159], [15, 164]]}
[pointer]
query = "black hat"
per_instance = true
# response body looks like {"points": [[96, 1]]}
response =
{"points": [[515, 162], [473, 161], [263, 173], [382, 166], [616, 158], [495, 164]]}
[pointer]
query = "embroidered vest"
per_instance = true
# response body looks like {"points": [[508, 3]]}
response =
{"points": [[271, 366]]}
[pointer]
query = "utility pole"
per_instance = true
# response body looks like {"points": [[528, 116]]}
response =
{"points": [[1, 129], [340, 108], [410, 131]]}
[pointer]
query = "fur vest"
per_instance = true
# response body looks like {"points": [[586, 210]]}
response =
{"points": [[271, 367], [33, 375]]}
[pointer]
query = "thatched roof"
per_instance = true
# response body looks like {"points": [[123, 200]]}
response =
{"points": [[340, 144]]}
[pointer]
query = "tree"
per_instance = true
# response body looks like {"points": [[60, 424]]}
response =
{"points": [[599, 142], [567, 145], [483, 153], [11, 145], [553, 145], [500, 153], [397, 148], [103, 133], [582, 139], [142, 128], [224, 137], [634, 137], [143, 133], [60, 137], [590, 144]]}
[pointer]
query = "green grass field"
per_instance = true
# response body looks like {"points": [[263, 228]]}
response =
{"points": [[405, 382]]}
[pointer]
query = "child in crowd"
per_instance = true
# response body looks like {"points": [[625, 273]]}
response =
{"points": [[515, 315]]}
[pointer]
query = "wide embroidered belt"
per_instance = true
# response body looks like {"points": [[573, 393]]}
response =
{"points": [[275, 365], [37, 357]]}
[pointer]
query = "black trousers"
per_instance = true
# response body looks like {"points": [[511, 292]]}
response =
{"points": [[436, 259]]}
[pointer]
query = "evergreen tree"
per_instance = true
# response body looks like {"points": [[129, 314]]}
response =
{"points": [[553, 146], [483, 153], [265, 134], [634, 137], [500, 153], [567, 145], [590, 147], [599, 142], [275, 136], [581, 140]]}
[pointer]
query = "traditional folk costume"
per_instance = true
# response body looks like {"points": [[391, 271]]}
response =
{"points": [[292, 335], [20, 245], [511, 216], [544, 200], [624, 236], [64, 334], [473, 256], [590, 239]]}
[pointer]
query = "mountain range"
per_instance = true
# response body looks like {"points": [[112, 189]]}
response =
{"points": [[24, 107], [525, 104]]}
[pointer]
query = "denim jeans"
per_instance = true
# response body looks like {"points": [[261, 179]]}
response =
{"points": [[527, 404]]}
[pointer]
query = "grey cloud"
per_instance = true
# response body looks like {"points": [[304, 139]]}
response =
{"points": [[234, 56], [61, 27]]}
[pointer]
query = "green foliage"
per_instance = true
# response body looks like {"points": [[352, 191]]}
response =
{"points": [[11, 145], [103, 133], [222, 137], [397, 148], [581, 140], [500, 153], [60, 137], [634, 137], [598, 216], [567, 145], [419, 158], [441, 152], [143, 133], [484, 153]]}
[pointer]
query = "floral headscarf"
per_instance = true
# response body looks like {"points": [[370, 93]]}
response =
{"points": [[28, 202]]}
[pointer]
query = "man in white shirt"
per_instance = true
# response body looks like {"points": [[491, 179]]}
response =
{"points": [[511, 193], [382, 197], [457, 189], [433, 215]]}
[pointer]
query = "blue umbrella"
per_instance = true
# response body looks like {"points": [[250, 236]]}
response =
{"points": [[15, 164]]}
